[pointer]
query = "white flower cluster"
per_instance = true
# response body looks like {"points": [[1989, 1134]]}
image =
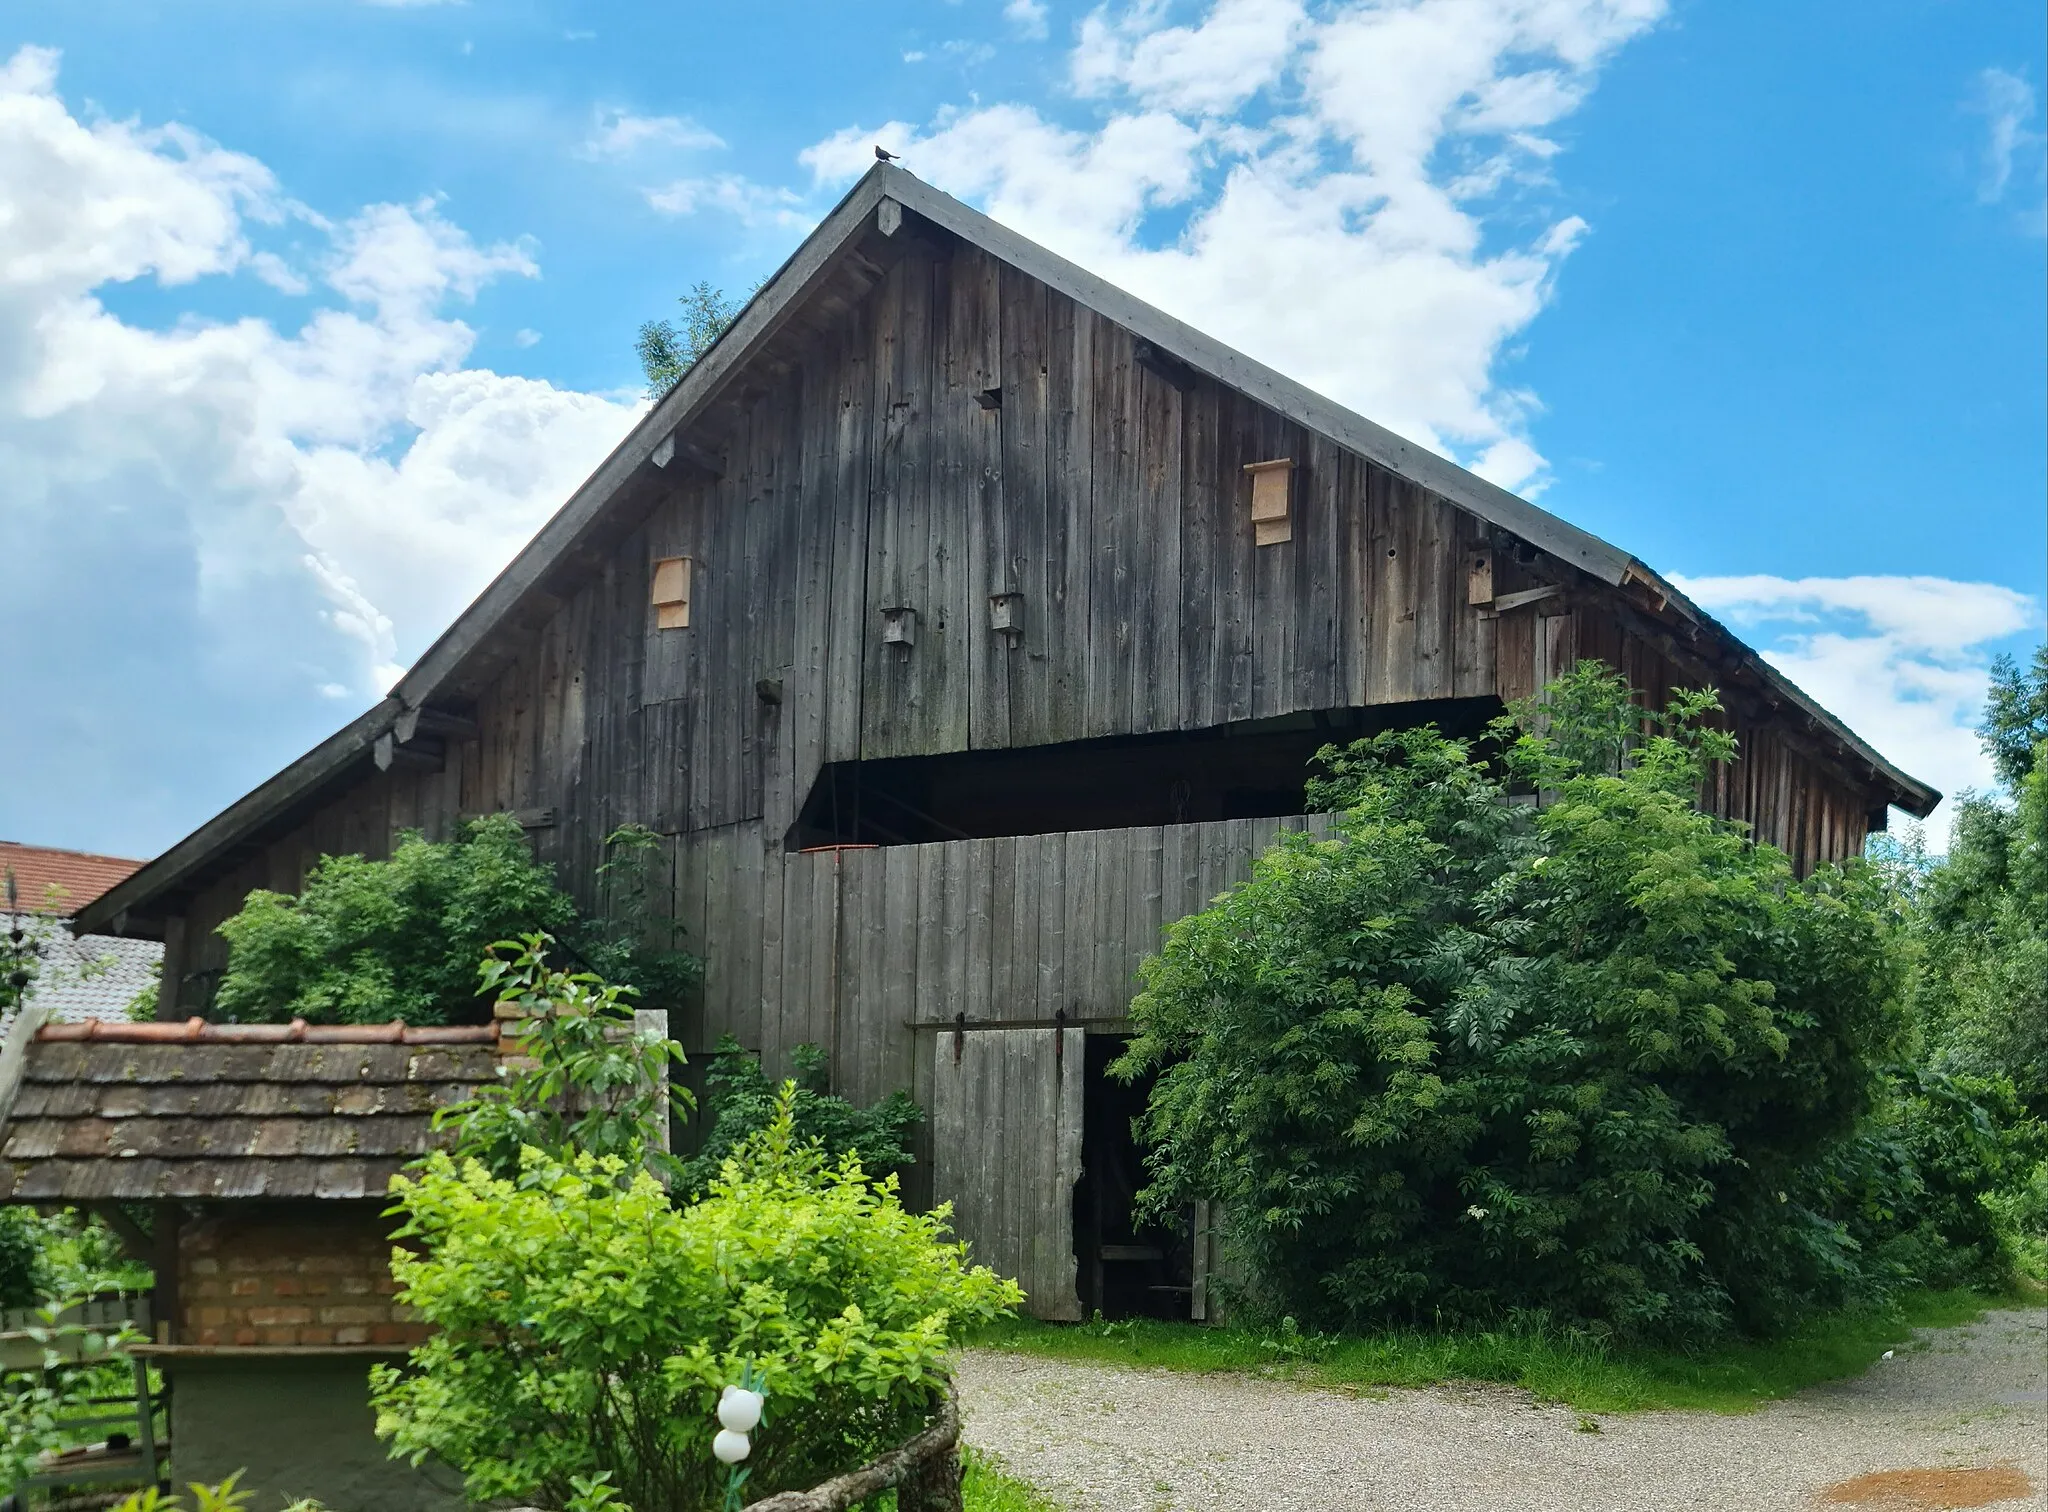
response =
{"points": [[738, 1411]]}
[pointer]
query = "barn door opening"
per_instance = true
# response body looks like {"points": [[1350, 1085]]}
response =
{"points": [[1007, 1117], [1128, 1268]]}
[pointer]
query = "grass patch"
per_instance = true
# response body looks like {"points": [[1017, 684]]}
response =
{"points": [[984, 1487], [987, 1488], [1575, 1369]]}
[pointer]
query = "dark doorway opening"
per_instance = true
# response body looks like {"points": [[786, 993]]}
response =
{"points": [[1252, 770], [1124, 1268]]}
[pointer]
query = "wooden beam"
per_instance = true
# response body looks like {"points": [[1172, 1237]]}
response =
{"points": [[135, 1239], [675, 446], [421, 756], [414, 723], [1527, 596]]}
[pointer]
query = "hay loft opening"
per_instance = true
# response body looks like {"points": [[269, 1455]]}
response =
{"points": [[1249, 770]]}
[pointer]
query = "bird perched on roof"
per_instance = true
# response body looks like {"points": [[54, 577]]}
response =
{"points": [[884, 155]]}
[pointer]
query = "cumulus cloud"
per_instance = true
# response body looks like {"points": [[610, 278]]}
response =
{"points": [[1904, 660], [1208, 68], [355, 462], [1346, 192]]}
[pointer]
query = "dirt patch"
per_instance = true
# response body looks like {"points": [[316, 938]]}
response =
{"points": [[1931, 1490]]}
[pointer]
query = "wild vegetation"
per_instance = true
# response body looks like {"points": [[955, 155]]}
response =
{"points": [[1982, 910], [369, 941], [740, 1101], [1594, 1063]]}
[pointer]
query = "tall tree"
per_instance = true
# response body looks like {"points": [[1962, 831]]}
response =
{"points": [[1983, 987], [668, 350]]}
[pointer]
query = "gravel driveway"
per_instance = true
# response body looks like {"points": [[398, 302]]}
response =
{"points": [[1114, 1439]]}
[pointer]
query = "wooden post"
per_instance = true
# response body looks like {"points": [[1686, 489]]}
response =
{"points": [[173, 974]]}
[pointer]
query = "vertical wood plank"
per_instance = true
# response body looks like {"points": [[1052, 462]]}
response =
{"points": [[1026, 378], [1151, 568]]}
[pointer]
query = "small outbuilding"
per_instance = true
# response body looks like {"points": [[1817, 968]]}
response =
{"points": [[263, 1154]]}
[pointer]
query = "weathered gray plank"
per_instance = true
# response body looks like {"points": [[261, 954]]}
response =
{"points": [[1026, 380]]}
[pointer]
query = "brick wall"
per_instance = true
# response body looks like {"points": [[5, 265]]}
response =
{"points": [[312, 1274]]}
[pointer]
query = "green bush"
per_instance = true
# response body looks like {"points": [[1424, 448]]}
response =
{"points": [[740, 1101], [1937, 1186], [24, 1275], [586, 1083], [1473, 1057], [587, 1326], [368, 941]]}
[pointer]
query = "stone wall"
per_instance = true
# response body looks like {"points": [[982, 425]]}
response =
{"points": [[303, 1274]]}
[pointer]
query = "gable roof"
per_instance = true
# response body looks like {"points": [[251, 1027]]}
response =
{"points": [[872, 213], [58, 883]]}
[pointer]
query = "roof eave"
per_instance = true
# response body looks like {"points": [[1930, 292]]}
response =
{"points": [[1908, 792]]}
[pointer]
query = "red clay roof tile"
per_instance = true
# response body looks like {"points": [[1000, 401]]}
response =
{"points": [[59, 882]]}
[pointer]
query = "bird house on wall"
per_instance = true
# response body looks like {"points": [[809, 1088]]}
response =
{"points": [[671, 596], [1006, 615], [1272, 501], [899, 628]]}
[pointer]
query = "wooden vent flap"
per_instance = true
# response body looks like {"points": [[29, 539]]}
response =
{"points": [[671, 596], [1272, 500]]}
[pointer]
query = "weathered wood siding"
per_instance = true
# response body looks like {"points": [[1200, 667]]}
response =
{"points": [[1006, 1152], [870, 476], [849, 949]]}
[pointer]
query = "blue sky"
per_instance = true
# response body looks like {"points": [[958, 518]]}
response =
{"points": [[311, 311]]}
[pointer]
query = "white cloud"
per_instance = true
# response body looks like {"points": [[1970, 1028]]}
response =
{"points": [[620, 133], [2013, 147], [1346, 192], [279, 274], [1235, 51], [753, 205], [1904, 660], [355, 460], [526, 337], [1028, 17]]}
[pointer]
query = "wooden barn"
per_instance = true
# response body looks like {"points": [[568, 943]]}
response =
{"points": [[962, 620]]}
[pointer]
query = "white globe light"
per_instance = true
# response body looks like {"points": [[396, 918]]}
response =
{"points": [[729, 1448], [740, 1409]]}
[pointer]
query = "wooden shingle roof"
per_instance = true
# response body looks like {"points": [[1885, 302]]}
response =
{"points": [[117, 1112]]}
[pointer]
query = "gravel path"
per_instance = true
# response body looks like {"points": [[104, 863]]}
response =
{"points": [[1114, 1439]]}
